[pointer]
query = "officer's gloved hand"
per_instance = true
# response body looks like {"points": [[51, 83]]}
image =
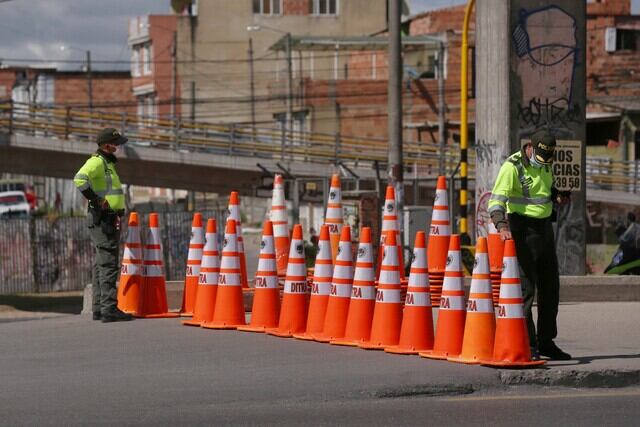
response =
{"points": [[100, 204]]}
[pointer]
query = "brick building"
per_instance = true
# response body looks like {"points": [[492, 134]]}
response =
{"points": [[356, 103], [154, 75]]}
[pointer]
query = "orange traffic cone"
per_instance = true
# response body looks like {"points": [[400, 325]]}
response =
{"points": [[480, 325], [131, 269], [387, 313], [511, 348], [234, 213], [194, 258], [439, 234], [208, 278], [390, 225], [320, 287], [450, 326], [279, 219], [266, 298], [334, 218], [153, 301], [335, 319], [363, 294], [229, 308], [293, 312], [416, 333], [496, 251]]}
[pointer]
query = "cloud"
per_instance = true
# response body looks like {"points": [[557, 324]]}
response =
{"points": [[35, 29]]}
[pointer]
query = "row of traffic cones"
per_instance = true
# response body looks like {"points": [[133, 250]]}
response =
{"points": [[142, 290], [194, 257]]}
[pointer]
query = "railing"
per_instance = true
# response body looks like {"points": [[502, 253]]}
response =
{"points": [[225, 139], [246, 141]]}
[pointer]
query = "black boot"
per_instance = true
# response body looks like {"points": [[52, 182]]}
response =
{"points": [[552, 351], [97, 315], [116, 316]]}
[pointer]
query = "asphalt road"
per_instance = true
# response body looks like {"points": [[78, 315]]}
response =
{"points": [[73, 371]]}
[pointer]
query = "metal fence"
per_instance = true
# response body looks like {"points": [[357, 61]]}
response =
{"points": [[55, 254]]}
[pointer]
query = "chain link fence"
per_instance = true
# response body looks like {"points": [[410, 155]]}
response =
{"points": [[55, 254]]}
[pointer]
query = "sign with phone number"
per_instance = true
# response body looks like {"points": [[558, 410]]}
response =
{"points": [[567, 165]]}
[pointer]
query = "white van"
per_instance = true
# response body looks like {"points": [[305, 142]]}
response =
{"points": [[13, 204]]}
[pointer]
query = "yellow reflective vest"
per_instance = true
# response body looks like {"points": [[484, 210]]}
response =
{"points": [[99, 174], [523, 189]]}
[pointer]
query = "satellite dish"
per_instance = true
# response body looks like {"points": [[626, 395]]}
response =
{"points": [[179, 6]]}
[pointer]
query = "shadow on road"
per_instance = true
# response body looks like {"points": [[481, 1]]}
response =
{"points": [[588, 359], [65, 302]]}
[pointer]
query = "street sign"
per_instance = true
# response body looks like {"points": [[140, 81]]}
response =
{"points": [[567, 165]]}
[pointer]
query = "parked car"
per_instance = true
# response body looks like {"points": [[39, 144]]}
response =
{"points": [[13, 204], [19, 185]]}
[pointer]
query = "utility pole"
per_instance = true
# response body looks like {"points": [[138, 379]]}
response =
{"points": [[252, 87], [289, 118], [174, 79], [442, 132], [395, 103], [89, 82]]}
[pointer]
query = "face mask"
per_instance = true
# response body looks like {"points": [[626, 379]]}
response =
{"points": [[534, 162]]}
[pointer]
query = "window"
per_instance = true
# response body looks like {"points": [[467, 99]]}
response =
{"points": [[323, 7], [621, 39], [267, 7], [135, 62], [146, 59]]}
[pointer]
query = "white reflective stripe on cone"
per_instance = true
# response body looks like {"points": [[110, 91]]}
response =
{"points": [[419, 258], [340, 290], [363, 292], [510, 268], [508, 290], [452, 284], [388, 296], [210, 261], [297, 287], [192, 270], [208, 278], [152, 255], [439, 230], [194, 254], [280, 230], [480, 305], [441, 198], [197, 236], [440, 215], [154, 236], [510, 311], [418, 299], [389, 277], [130, 269], [266, 282], [152, 271], [321, 288], [229, 279], [419, 280], [481, 286], [452, 303], [481, 264]]}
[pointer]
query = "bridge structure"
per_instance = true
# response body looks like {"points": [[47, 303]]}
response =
{"points": [[199, 156]]}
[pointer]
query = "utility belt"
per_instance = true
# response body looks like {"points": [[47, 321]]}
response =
{"points": [[107, 219]]}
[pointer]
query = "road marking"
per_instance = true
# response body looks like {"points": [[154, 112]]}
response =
{"points": [[551, 396]]}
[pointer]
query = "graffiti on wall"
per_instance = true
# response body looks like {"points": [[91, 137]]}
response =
{"points": [[546, 58]]}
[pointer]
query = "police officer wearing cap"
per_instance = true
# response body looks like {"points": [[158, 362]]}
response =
{"points": [[520, 206], [100, 184]]}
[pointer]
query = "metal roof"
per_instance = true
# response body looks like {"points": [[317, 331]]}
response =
{"points": [[308, 43]]}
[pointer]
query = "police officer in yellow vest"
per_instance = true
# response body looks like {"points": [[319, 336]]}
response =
{"points": [[520, 206], [100, 184]]}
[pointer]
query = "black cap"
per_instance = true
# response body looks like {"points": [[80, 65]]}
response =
{"points": [[544, 145], [111, 136]]}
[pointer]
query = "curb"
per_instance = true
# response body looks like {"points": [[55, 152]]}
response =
{"points": [[605, 378]]}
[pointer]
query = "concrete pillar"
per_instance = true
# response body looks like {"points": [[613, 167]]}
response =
{"points": [[531, 68]]}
